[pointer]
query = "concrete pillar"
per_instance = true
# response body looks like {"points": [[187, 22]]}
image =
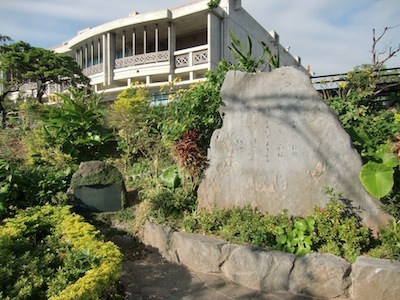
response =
{"points": [[214, 40], [171, 46], [86, 56], [81, 58], [134, 42], [156, 38], [144, 40], [123, 44], [111, 45], [108, 57], [92, 54], [99, 51]]}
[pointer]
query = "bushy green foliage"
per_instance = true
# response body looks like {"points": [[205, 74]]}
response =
{"points": [[23, 186], [48, 253], [245, 61], [296, 237], [213, 4], [167, 203], [34, 64], [75, 130], [333, 229], [389, 242], [369, 113], [246, 226], [128, 116], [338, 230], [198, 108]]}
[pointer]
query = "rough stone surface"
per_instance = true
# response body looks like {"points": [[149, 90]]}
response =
{"points": [[375, 279], [96, 172], [200, 253], [279, 145], [277, 275], [158, 236], [259, 269], [98, 186], [321, 275]]}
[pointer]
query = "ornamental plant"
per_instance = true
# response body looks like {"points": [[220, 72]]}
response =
{"points": [[334, 229], [297, 238], [339, 230], [75, 128], [187, 153], [127, 115], [368, 111], [23, 186], [197, 108], [49, 253], [377, 176]]}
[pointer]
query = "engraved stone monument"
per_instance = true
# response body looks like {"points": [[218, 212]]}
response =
{"points": [[279, 146], [98, 187]]}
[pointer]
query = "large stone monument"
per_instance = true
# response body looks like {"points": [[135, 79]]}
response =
{"points": [[279, 146]]}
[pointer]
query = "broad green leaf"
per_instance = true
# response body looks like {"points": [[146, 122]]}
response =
{"points": [[390, 159], [301, 225], [281, 239], [300, 235], [170, 177], [377, 179]]}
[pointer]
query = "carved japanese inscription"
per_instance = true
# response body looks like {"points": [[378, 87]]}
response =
{"points": [[279, 146]]}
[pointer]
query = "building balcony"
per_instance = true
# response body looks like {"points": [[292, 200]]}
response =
{"points": [[92, 70], [191, 57], [184, 61], [141, 59]]}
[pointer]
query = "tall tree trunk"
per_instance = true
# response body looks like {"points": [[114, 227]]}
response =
{"points": [[3, 111], [40, 92]]}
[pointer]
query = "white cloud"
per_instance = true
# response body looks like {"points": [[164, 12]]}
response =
{"points": [[331, 36]]}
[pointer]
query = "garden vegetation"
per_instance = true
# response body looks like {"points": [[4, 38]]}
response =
{"points": [[161, 151]]}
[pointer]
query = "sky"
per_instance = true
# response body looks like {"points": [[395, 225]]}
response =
{"points": [[332, 36]]}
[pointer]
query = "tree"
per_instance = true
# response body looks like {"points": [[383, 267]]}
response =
{"points": [[379, 58], [73, 131], [4, 40], [377, 62], [128, 115], [20, 63]]}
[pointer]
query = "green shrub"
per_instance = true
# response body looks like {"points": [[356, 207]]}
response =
{"points": [[247, 226], [370, 115], [75, 129], [23, 186], [389, 242], [338, 233], [197, 108], [48, 253], [334, 229], [296, 237]]}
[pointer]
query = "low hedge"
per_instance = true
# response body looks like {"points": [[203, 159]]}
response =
{"points": [[48, 252]]}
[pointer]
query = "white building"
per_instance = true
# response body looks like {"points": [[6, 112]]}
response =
{"points": [[156, 47]]}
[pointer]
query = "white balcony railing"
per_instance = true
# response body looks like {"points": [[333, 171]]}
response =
{"points": [[183, 58], [93, 70], [191, 57], [141, 59]]}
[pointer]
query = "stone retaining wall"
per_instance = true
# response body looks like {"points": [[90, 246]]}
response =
{"points": [[320, 275]]}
